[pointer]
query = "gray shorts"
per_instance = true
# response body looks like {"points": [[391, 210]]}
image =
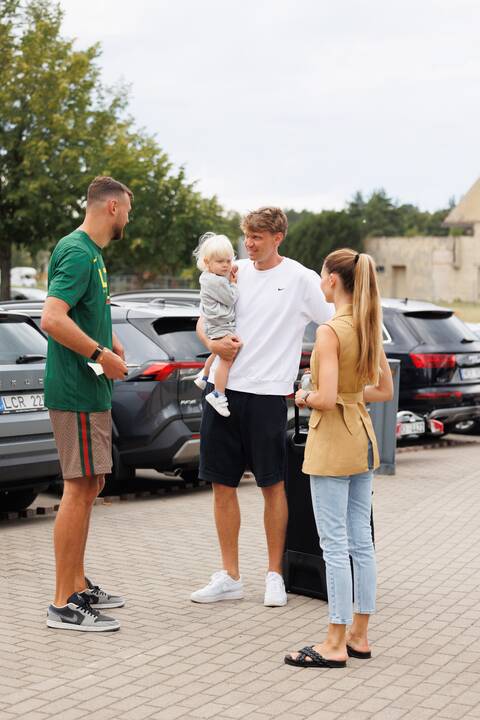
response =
{"points": [[214, 333]]}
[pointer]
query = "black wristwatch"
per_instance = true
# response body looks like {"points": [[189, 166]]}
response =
{"points": [[97, 352]]}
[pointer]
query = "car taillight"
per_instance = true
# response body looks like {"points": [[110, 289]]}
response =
{"points": [[433, 360], [162, 370], [441, 394], [436, 427]]}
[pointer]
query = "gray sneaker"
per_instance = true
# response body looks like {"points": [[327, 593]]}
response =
{"points": [[99, 599], [77, 614]]}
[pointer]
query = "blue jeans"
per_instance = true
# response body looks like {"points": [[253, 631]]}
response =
{"points": [[342, 508]]}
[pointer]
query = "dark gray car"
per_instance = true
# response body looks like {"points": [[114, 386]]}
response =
{"points": [[28, 456], [156, 410]]}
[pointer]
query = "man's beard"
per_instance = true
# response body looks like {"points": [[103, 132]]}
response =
{"points": [[117, 232]]}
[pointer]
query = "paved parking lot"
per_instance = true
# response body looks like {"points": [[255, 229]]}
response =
{"points": [[173, 659]]}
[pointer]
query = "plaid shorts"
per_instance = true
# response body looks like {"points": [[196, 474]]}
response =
{"points": [[84, 442]]}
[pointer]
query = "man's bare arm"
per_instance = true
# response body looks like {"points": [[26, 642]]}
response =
{"points": [[227, 347], [57, 323]]}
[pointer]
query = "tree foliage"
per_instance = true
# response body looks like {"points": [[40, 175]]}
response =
{"points": [[311, 239], [59, 127], [312, 236], [380, 216]]}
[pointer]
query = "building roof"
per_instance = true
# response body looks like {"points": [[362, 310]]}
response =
{"points": [[467, 212]]}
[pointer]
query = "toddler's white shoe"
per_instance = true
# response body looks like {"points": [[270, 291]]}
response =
{"points": [[275, 594], [219, 402], [220, 587], [199, 381]]}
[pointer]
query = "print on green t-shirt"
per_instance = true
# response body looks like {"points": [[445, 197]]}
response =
{"points": [[77, 275]]}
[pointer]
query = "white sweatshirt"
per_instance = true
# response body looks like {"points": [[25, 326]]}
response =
{"points": [[272, 310]]}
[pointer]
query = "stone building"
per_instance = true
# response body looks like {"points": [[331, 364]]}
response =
{"points": [[434, 268]]}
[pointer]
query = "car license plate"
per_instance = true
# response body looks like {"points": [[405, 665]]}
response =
{"points": [[470, 373], [415, 428], [22, 402]]}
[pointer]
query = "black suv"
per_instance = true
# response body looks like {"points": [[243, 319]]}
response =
{"points": [[440, 360], [156, 410]]}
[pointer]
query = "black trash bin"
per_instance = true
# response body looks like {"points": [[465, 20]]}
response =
{"points": [[303, 564]]}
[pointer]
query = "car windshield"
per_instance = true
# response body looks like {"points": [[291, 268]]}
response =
{"points": [[179, 339], [437, 328], [138, 347], [18, 339]]}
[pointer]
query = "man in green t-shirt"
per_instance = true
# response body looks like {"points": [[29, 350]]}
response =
{"points": [[83, 359]]}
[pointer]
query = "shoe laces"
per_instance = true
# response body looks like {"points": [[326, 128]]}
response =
{"points": [[86, 607], [220, 574], [97, 590]]}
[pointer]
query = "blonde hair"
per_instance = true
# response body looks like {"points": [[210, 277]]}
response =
{"points": [[212, 247], [358, 273]]}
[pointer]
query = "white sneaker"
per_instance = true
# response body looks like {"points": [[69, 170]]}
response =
{"points": [[199, 381], [219, 402], [275, 595], [220, 587]]}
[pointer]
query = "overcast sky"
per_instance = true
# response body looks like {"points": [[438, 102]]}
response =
{"points": [[300, 103]]}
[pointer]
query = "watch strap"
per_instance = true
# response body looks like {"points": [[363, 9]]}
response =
{"points": [[97, 352]]}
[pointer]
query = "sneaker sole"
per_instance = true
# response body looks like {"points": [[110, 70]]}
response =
{"points": [[201, 385], [234, 595], [275, 604], [81, 628]]}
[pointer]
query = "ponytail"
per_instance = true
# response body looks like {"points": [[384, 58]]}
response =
{"points": [[367, 317], [359, 277]]}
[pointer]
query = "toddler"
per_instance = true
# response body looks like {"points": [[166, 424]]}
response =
{"points": [[218, 295]]}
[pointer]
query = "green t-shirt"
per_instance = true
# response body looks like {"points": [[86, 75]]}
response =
{"points": [[77, 275]]}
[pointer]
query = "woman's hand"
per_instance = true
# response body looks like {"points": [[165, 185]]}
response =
{"points": [[299, 398]]}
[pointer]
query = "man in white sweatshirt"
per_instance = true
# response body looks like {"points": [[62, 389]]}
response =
{"points": [[277, 298]]}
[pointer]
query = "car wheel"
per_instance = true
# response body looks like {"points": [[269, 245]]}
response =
{"points": [[121, 477], [467, 427], [190, 475], [16, 500]]}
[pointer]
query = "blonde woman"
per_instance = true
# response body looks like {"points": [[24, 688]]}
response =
{"points": [[349, 368]]}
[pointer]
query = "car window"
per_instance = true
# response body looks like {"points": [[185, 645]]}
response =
{"points": [[138, 347], [434, 328], [179, 339], [19, 338]]}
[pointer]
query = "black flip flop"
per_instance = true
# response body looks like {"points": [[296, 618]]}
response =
{"points": [[316, 660], [358, 653]]}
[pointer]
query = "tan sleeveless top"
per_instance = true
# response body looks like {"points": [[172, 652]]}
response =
{"points": [[337, 442]]}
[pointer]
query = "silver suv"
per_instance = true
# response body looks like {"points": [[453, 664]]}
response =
{"points": [[28, 456]]}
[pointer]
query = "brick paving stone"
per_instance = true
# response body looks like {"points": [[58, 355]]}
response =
{"points": [[174, 659]]}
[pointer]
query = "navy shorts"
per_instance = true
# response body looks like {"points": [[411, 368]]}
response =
{"points": [[253, 437]]}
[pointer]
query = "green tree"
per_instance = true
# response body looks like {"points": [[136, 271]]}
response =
{"points": [[49, 107], [313, 238], [380, 216], [59, 127]]}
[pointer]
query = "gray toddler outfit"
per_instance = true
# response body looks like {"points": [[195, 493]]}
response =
{"points": [[217, 297]]}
